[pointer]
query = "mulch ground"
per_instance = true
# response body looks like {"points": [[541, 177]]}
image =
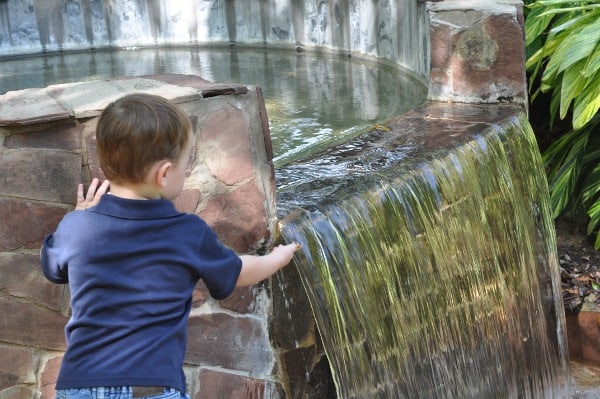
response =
{"points": [[579, 266]]}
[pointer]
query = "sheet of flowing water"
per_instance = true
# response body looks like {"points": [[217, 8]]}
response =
{"points": [[437, 278], [313, 100]]}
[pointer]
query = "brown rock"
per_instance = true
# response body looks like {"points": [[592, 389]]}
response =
{"points": [[440, 60], [489, 61], [22, 277], [45, 175], [25, 224], [236, 218], [49, 376], [236, 343], [241, 300], [61, 136], [29, 325], [227, 155], [187, 201], [16, 366], [216, 384], [509, 69], [583, 336]]}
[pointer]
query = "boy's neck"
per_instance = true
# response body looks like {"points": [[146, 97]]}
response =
{"points": [[134, 191]]}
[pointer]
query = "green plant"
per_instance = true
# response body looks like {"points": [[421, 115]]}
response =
{"points": [[563, 59]]}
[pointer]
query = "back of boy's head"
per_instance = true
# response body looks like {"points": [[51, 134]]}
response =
{"points": [[136, 131]]}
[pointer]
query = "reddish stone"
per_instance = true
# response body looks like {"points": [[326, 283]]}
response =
{"points": [[225, 143], [489, 60], [440, 60], [187, 201], [25, 324], [241, 300], [238, 218], [49, 376], [62, 136], [25, 224], [218, 384], [583, 332], [45, 175], [200, 294], [509, 70], [440, 47], [474, 56], [16, 366], [236, 343], [23, 278]]}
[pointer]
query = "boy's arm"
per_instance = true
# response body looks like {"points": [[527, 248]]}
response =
{"points": [[51, 270], [257, 268]]}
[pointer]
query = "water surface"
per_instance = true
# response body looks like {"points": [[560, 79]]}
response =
{"points": [[313, 100]]}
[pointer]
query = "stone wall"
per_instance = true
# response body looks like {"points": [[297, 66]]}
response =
{"points": [[47, 148], [477, 51]]}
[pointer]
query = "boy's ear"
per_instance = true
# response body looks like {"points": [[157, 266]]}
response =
{"points": [[162, 173]]}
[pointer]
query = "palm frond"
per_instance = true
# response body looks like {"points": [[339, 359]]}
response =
{"points": [[563, 177]]}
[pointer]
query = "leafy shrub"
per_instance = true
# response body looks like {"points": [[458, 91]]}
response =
{"points": [[563, 60]]}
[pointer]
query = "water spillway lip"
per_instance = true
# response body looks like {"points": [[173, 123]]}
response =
{"points": [[427, 132], [224, 90]]}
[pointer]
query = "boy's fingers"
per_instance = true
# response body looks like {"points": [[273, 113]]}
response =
{"points": [[80, 196], [92, 188], [103, 188]]}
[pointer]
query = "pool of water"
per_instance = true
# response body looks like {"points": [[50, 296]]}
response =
{"points": [[313, 100]]}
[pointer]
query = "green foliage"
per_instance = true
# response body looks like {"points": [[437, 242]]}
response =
{"points": [[563, 59]]}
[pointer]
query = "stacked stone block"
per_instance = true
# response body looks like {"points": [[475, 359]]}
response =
{"points": [[47, 147]]}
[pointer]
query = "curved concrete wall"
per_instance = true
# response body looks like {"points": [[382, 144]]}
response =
{"points": [[394, 30], [464, 50]]}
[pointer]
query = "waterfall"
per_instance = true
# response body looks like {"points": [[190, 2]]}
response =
{"points": [[437, 277]]}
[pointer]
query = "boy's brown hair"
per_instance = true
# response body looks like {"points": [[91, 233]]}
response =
{"points": [[136, 131]]}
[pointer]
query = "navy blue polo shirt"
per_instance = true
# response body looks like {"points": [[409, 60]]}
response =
{"points": [[132, 266]]}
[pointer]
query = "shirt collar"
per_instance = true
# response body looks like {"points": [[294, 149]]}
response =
{"points": [[134, 209]]}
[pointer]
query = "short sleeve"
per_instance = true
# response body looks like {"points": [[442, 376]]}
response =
{"points": [[52, 262], [220, 266]]}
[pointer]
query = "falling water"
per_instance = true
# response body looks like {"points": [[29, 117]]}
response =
{"points": [[437, 277]]}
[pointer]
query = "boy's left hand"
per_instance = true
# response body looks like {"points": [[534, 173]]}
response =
{"points": [[93, 194]]}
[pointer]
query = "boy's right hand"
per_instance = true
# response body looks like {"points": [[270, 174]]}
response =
{"points": [[93, 194], [285, 252]]}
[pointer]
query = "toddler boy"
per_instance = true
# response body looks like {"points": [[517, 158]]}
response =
{"points": [[132, 260]]}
